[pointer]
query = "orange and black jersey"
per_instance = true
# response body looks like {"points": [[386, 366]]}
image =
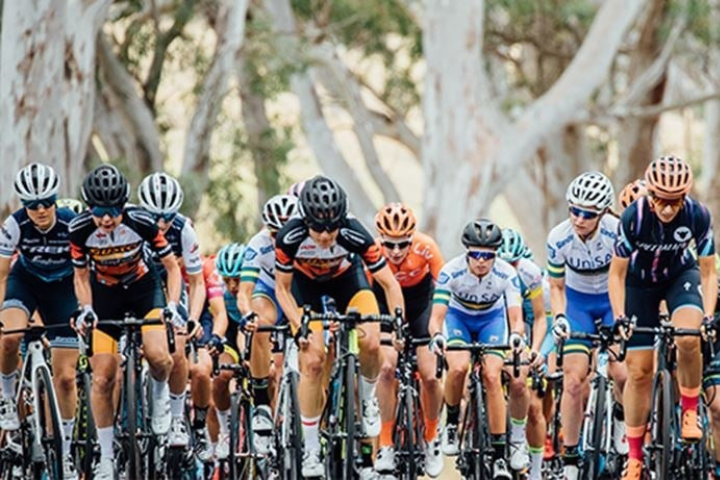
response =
{"points": [[295, 249], [117, 257]]}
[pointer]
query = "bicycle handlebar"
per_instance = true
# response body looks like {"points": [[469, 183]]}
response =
{"points": [[132, 322], [481, 349], [353, 317]]}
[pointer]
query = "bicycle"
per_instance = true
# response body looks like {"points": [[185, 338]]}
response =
{"points": [[340, 415], [474, 434], [597, 446], [38, 454], [140, 453], [85, 449], [553, 466]]}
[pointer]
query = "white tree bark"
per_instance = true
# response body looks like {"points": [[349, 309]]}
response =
{"points": [[469, 151]]}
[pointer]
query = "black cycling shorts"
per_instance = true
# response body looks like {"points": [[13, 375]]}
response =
{"points": [[342, 289], [643, 302], [55, 301], [418, 306]]}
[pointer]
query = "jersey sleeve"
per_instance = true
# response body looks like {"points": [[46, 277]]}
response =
{"points": [[532, 276], [443, 288], [625, 242], [512, 291], [704, 237], [356, 239], [148, 230], [250, 271], [555, 258], [287, 242], [9, 237], [434, 258], [213, 282], [79, 230], [191, 249]]}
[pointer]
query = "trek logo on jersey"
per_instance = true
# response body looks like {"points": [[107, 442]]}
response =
{"points": [[682, 234]]}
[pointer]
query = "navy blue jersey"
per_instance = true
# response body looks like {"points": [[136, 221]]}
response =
{"points": [[43, 254], [660, 251], [183, 239]]}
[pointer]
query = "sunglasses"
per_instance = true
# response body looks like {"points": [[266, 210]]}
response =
{"points": [[168, 217], [662, 202], [402, 245], [318, 227], [36, 204], [484, 255], [584, 214], [100, 212]]}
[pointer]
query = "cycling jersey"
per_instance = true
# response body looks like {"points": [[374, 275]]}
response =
{"points": [[45, 255], [182, 238], [214, 288], [587, 261], [458, 288], [295, 249], [424, 257], [659, 251], [116, 258], [531, 286], [259, 260]]}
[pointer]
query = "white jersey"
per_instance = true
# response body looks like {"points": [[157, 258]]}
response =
{"points": [[259, 260], [587, 261], [460, 289], [531, 278]]}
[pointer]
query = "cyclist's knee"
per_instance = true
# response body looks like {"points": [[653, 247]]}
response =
{"points": [[221, 382], [518, 386], [10, 344], [159, 359], [688, 345], [387, 369], [65, 381], [312, 364], [492, 378], [574, 384], [103, 382], [535, 413]]}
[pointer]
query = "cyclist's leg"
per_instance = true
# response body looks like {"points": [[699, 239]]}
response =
{"points": [[146, 301], [219, 424], [430, 385], [264, 304], [368, 339], [201, 385], [456, 326], [536, 433], [387, 390], [105, 365]]}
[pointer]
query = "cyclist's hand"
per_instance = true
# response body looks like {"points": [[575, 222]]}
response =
{"points": [[517, 342], [85, 318], [708, 328], [437, 344], [248, 321], [536, 360], [216, 344], [195, 329], [623, 327], [334, 327], [175, 319], [561, 327], [301, 341]]}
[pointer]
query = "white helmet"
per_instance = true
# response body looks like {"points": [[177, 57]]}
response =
{"points": [[36, 182], [591, 190], [277, 210], [160, 193]]}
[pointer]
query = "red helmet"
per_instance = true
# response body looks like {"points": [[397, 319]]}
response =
{"points": [[669, 178], [631, 192], [395, 220]]}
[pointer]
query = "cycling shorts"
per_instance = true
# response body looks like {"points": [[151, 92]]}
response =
{"points": [[263, 290], [55, 301], [582, 311], [643, 302], [462, 328], [418, 306]]}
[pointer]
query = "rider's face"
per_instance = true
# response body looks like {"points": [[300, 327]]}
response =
{"points": [[480, 260], [42, 217], [323, 239]]}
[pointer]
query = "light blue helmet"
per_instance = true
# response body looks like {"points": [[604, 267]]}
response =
{"points": [[513, 247], [229, 260]]}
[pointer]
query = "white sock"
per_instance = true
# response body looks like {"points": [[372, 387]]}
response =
{"points": [[7, 382], [536, 459], [105, 439], [67, 426], [160, 389], [517, 432], [367, 388], [177, 405], [311, 432], [223, 420]]}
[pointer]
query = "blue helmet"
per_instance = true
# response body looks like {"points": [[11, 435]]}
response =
{"points": [[513, 246], [229, 260]]}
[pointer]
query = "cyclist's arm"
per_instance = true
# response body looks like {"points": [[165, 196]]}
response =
{"points": [[219, 313], [437, 318], [539, 323], [558, 301], [616, 284], [83, 291], [393, 292], [288, 305], [515, 318], [174, 280], [197, 294], [244, 295], [708, 276], [4, 272]]}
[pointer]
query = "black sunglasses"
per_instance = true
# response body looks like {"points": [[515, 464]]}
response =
{"points": [[168, 217], [36, 204], [399, 245], [319, 227]]}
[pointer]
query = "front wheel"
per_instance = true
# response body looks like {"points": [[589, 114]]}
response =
{"points": [[662, 425], [595, 429], [50, 434]]}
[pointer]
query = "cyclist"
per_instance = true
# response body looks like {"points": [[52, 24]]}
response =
{"points": [[415, 260], [257, 294], [477, 297], [652, 262], [75, 205], [579, 252], [41, 279], [631, 192], [526, 405], [319, 253], [161, 195], [112, 278]]}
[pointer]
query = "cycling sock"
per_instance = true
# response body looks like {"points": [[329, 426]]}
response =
{"points": [[105, 439], [200, 417], [571, 456], [386, 433], [67, 427], [7, 382], [160, 389], [635, 438], [366, 451], [260, 390], [177, 404], [453, 414], [431, 427], [517, 431], [223, 416], [498, 444], [311, 432], [536, 459], [689, 398], [367, 388], [618, 412]]}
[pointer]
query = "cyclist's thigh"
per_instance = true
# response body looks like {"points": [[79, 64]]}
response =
{"points": [[56, 305], [492, 327], [20, 300], [456, 327], [685, 293], [643, 304], [581, 313], [265, 304]]}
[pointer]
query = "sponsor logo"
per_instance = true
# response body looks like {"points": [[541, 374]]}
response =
{"points": [[443, 278], [295, 235], [250, 254], [682, 234]]}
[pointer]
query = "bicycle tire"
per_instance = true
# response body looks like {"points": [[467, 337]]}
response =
{"points": [[481, 434], [349, 453], [295, 428], [662, 425], [85, 428], [410, 439], [51, 442], [130, 443], [238, 462], [593, 454]]}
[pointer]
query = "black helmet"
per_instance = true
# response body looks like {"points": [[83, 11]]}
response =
{"points": [[482, 233], [105, 186], [323, 202]]}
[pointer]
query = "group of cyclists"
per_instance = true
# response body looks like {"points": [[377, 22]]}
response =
{"points": [[71, 263]]}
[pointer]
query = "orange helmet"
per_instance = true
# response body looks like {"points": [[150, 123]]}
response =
{"points": [[395, 220], [669, 178], [631, 192]]}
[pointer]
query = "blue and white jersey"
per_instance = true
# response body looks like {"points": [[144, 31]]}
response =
{"points": [[461, 290], [531, 285], [184, 242], [259, 260], [44, 254], [587, 261]]}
